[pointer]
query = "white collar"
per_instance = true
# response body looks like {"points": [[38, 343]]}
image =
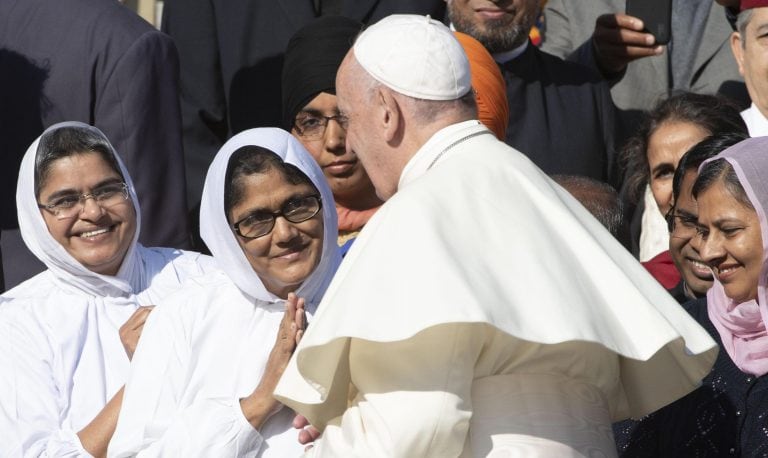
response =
{"points": [[506, 56], [756, 122], [434, 147]]}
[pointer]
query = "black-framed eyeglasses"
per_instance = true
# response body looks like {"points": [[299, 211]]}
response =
{"points": [[261, 223], [69, 206], [688, 224], [312, 126]]}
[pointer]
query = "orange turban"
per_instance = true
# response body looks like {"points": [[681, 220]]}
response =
{"points": [[490, 91]]}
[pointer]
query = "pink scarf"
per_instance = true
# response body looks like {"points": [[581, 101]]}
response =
{"points": [[742, 327], [742, 330]]}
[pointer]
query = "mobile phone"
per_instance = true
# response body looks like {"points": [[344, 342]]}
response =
{"points": [[656, 16]]}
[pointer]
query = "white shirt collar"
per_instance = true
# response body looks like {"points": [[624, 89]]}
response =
{"points": [[756, 122], [506, 56]]}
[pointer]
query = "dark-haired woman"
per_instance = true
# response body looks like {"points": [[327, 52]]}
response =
{"points": [[204, 373], [728, 414], [650, 159], [66, 335]]}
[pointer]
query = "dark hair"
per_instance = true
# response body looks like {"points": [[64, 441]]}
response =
{"points": [[602, 201], [253, 160], [66, 142], [700, 152], [721, 169], [713, 113]]}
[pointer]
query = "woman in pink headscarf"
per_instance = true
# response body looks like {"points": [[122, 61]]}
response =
{"points": [[728, 414]]}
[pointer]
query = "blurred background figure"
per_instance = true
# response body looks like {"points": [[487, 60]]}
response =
{"points": [[97, 62], [602, 201]]}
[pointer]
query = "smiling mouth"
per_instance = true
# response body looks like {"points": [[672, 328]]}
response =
{"points": [[723, 273], [700, 269], [292, 253], [95, 232]]}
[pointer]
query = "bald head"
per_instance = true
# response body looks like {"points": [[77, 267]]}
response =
{"points": [[386, 128]]}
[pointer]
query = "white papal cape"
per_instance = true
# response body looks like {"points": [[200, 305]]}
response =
{"points": [[483, 309]]}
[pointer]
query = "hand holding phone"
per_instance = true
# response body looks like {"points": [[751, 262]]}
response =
{"points": [[656, 16], [619, 39]]}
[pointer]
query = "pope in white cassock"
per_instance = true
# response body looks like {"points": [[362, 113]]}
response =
{"points": [[482, 310]]}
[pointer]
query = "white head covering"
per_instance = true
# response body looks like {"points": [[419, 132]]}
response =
{"points": [[415, 56], [65, 269], [220, 238]]}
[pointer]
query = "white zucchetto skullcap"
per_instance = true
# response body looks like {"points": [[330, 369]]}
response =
{"points": [[415, 56]]}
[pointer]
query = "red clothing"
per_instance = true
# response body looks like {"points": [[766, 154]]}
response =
{"points": [[663, 269]]}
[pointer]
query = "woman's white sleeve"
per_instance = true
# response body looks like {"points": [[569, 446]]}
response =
{"points": [[413, 398], [31, 403], [152, 420]]}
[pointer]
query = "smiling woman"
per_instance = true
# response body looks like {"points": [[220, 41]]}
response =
{"points": [[67, 334], [211, 356], [88, 209], [727, 414]]}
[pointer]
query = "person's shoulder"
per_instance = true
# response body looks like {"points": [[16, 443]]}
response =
{"points": [[566, 71], [31, 292], [200, 296], [180, 260]]}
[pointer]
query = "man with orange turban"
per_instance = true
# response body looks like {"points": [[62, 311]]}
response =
{"points": [[488, 84], [561, 113]]}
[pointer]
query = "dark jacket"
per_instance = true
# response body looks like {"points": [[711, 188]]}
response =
{"points": [[726, 416], [560, 115]]}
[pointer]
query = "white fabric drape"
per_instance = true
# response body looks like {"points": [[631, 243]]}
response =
{"points": [[61, 358], [208, 345], [476, 234]]}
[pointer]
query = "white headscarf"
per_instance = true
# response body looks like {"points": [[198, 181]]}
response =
{"points": [[220, 238], [130, 279]]}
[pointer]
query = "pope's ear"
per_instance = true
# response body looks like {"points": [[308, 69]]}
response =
{"points": [[391, 116]]}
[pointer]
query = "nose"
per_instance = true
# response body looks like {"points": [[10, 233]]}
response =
{"points": [[335, 138], [284, 230], [90, 209], [710, 248]]}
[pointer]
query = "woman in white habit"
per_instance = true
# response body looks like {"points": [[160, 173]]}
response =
{"points": [[203, 377], [66, 335]]}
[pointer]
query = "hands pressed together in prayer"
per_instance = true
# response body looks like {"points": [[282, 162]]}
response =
{"points": [[261, 404], [619, 39]]}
